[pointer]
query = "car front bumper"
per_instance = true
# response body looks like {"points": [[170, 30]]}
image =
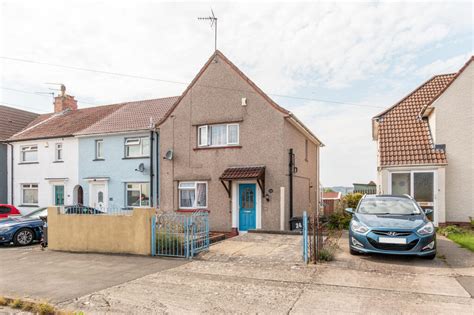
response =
{"points": [[416, 245], [6, 237]]}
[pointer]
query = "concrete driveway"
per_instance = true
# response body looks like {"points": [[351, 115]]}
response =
{"points": [[252, 274], [58, 276]]}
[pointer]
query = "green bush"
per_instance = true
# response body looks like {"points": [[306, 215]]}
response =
{"points": [[325, 254], [169, 244], [450, 229], [339, 220]]}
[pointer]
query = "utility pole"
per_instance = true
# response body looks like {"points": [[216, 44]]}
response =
{"points": [[213, 21]]}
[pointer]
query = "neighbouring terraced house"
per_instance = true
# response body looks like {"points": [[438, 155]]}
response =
{"points": [[426, 149], [12, 120], [223, 146]]}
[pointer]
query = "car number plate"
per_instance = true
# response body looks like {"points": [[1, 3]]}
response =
{"points": [[392, 240]]}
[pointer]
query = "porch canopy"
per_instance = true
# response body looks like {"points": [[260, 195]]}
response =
{"points": [[245, 173]]}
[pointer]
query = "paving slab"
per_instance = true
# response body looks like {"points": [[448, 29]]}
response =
{"points": [[29, 272]]}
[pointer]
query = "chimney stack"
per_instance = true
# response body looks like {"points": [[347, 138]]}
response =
{"points": [[64, 101]]}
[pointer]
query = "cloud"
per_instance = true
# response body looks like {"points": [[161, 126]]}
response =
{"points": [[358, 52], [441, 66]]}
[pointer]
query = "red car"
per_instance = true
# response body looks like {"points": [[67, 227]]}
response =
{"points": [[8, 210]]}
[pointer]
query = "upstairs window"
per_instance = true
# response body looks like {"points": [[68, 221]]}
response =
{"points": [[192, 195], [99, 149], [137, 147], [58, 152], [29, 154], [218, 135]]}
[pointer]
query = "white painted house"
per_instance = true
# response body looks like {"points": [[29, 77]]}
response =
{"points": [[43, 157]]}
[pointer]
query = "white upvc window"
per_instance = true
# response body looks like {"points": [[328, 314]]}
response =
{"points": [[138, 194], [29, 154], [137, 147], [99, 149], [58, 152], [218, 135], [192, 195], [29, 194]]}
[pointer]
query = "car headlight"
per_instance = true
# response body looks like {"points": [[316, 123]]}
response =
{"points": [[426, 229], [4, 229], [359, 227]]}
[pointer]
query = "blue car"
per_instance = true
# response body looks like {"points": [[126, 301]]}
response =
{"points": [[387, 224], [23, 230]]}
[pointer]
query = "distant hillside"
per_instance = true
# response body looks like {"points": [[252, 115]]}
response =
{"points": [[343, 190]]}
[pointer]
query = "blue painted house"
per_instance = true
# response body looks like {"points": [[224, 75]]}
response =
{"points": [[118, 164]]}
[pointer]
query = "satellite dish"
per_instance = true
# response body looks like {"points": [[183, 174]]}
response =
{"points": [[169, 155], [141, 167]]}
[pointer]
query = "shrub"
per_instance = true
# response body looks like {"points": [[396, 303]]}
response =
{"points": [[3, 301], [450, 229], [169, 244], [17, 303], [44, 309], [326, 254], [339, 220]]}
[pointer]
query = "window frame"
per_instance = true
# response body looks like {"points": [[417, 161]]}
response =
{"points": [[24, 149], [58, 148], [195, 183], [208, 135], [22, 189], [139, 139], [101, 142], [141, 190]]}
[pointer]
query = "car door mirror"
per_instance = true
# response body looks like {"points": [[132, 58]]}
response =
{"points": [[349, 210], [428, 211]]}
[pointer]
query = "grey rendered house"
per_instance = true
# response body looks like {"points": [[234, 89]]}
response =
{"points": [[12, 120], [426, 149], [225, 148]]}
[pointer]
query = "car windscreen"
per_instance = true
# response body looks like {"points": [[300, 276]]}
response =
{"points": [[388, 206], [42, 212]]}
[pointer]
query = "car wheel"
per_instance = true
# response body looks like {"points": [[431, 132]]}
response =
{"points": [[23, 237], [430, 257], [354, 252]]}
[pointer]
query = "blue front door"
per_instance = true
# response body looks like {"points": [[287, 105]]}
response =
{"points": [[247, 208]]}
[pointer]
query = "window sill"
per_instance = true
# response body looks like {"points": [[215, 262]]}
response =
{"points": [[22, 163], [135, 157], [214, 148], [28, 206], [58, 161], [96, 160], [192, 210]]}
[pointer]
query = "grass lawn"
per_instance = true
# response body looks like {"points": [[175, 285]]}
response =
{"points": [[464, 239]]}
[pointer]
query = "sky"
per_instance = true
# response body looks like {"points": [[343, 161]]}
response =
{"points": [[333, 64]]}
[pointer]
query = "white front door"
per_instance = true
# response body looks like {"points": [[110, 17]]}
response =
{"points": [[98, 196]]}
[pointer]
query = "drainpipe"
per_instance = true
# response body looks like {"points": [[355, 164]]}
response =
{"points": [[157, 177], [151, 167], [11, 173], [291, 169]]}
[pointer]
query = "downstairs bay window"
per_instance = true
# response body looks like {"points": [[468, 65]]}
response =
{"points": [[192, 195]]}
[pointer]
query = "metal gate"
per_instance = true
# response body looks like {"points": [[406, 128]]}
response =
{"points": [[180, 235]]}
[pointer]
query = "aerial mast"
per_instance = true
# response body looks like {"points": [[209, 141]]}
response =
{"points": [[213, 21]]}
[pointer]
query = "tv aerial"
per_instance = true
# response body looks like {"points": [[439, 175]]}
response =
{"points": [[213, 21]]}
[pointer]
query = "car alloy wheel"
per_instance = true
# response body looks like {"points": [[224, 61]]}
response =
{"points": [[24, 237]]}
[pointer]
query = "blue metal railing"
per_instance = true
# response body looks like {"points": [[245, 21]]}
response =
{"points": [[305, 237], [180, 235]]}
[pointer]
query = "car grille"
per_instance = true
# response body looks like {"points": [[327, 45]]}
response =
{"points": [[391, 233], [400, 247]]}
